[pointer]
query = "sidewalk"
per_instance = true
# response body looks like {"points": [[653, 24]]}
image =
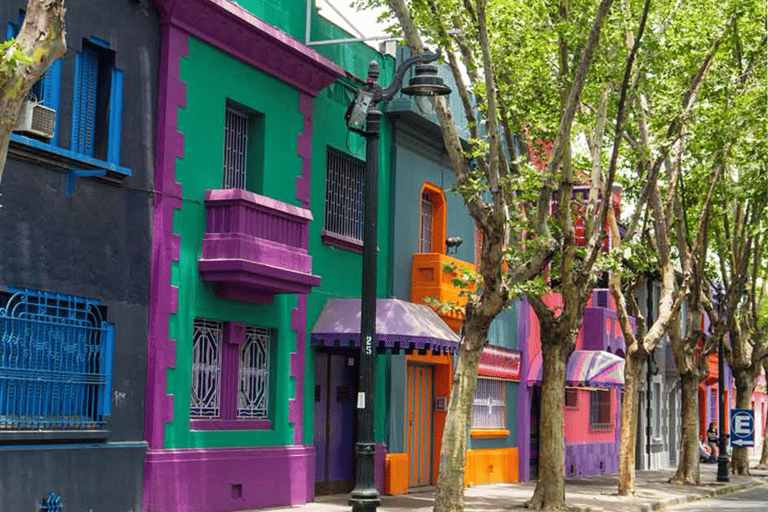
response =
{"points": [[592, 494]]}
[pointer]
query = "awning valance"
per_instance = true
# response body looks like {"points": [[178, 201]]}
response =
{"points": [[400, 325], [588, 368]]}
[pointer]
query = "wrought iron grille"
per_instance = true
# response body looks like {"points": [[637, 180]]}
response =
{"points": [[206, 368], [253, 389], [488, 404], [344, 195], [235, 148], [427, 216], [52, 503], [55, 362]]}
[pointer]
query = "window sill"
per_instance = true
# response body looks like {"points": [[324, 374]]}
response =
{"points": [[25, 436], [601, 427], [341, 241], [489, 432], [230, 425], [61, 158]]}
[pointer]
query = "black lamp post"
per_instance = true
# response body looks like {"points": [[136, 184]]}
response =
{"points": [[722, 458], [363, 117]]}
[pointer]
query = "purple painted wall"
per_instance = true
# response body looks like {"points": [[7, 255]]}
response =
{"points": [[585, 459], [523, 396], [228, 478]]}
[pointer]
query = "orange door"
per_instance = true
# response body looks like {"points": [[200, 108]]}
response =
{"points": [[419, 431]]}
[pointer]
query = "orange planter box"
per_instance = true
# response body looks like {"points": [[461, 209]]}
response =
{"points": [[396, 480]]}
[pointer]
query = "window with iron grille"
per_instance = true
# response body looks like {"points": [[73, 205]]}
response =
{"points": [[600, 409], [253, 395], [97, 102], [488, 404], [344, 195], [427, 221], [55, 362], [235, 148], [230, 371]]}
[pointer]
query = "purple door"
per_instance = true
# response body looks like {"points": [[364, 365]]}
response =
{"points": [[335, 393]]}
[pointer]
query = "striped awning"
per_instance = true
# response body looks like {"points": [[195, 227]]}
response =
{"points": [[400, 325], [586, 368]]}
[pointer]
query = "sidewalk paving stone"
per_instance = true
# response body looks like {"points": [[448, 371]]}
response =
{"points": [[589, 494]]}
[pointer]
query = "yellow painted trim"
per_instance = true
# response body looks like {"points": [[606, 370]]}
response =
{"points": [[490, 432]]}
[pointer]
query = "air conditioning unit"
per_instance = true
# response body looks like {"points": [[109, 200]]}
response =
{"points": [[36, 119]]}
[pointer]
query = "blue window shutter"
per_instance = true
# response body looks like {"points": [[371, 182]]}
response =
{"points": [[11, 31], [109, 338], [84, 101], [50, 97], [115, 116]]}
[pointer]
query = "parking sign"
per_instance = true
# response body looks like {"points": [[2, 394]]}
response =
{"points": [[742, 427]]}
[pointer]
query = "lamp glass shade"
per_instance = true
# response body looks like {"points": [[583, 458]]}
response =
{"points": [[426, 82]]}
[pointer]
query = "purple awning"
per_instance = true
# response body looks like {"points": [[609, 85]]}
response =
{"points": [[587, 368], [400, 325]]}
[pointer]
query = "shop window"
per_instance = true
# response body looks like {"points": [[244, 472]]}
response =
{"points": [[97, 102], [230, 371], [55, 362], [488, 404], [345, 178], [600, 409], [432, 219], [571, 398], [243, 148]]}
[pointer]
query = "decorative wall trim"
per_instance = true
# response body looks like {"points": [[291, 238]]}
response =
{"points": [[231, 28], [161, 350]]}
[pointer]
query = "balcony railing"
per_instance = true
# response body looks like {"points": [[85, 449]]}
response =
{"points": [[428, 279], [255, 246]]}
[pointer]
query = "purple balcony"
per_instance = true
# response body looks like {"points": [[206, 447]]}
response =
{"points": [[255, 246]]}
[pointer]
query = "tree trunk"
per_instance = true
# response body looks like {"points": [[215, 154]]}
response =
{"points": [[550, 487], [744, 388], [688, 467], [629, 409], [450, 481]]}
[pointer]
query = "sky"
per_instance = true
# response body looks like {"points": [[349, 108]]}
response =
{"points": [[363, 21]]}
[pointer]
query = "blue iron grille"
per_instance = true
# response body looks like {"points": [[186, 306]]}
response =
{"points": [[55, 362], [52, 503]]}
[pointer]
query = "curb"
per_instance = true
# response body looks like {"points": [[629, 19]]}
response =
{"points": [[720, 491]]}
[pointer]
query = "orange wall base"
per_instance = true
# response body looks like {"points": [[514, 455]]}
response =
{"points": [[491, 466], [396, 478]]}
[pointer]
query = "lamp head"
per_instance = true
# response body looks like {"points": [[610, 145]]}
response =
{"points": [[426, 82]]}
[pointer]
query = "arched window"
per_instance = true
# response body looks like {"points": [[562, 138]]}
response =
{"points": [[432, 219]]}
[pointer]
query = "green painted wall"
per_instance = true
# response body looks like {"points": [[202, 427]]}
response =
{"points": [[212, 77]]}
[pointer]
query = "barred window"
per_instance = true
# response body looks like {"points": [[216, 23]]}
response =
{"points": [[600, 409], [253, 395], [206, 368], [235, 148], [55, 362], [344, 195], [488, 404], [427, 220], [230, 371]]}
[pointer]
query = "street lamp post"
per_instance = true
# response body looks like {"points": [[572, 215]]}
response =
{"points": [[722, 458], [363, 117]]}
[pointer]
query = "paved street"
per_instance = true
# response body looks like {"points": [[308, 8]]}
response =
{"points": [[592, 494], [749, 500]]}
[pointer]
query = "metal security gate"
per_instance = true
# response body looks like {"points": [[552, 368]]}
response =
{"points": [[419, 429]]}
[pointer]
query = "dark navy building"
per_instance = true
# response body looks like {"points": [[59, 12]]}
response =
{"points": [[74, 266]]}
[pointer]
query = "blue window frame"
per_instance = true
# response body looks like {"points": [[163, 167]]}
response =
{"points": [[55, 362], [47, 89], [97, 102]]}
